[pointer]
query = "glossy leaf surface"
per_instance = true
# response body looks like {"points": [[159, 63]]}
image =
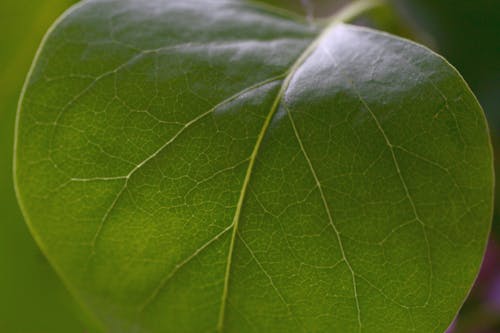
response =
{"points": [[194, 166]]}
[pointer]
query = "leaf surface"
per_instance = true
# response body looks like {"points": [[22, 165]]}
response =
{"points": [[29, 288], [221, 166]]}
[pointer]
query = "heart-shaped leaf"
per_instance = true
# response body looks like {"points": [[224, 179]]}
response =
{"points": [[220, 166]]}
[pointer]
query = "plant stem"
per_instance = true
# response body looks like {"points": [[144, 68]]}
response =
{"points": [[352, 11]]}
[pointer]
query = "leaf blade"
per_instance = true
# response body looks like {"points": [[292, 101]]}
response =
{"points": [[143, 210]]}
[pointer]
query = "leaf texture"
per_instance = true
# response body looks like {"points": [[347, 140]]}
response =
{"points": [[220, 166]]}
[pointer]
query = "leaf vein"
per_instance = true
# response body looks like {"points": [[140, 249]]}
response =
{"points": [[400, 175], [158, 151], [329, 214]]}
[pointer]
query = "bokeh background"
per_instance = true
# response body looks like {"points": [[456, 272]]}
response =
{"points": [[34, 300]]}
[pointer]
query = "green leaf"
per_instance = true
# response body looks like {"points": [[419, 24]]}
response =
{"points": [[221, 166], [33, 300]]}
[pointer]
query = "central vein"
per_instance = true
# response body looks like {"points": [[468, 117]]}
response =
{"points": [[347, 14]]}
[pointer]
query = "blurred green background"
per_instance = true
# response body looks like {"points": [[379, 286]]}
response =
{"points": [[32, 297]]}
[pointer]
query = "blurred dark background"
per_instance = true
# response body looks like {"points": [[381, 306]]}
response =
{"points": [[32, 297]]}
